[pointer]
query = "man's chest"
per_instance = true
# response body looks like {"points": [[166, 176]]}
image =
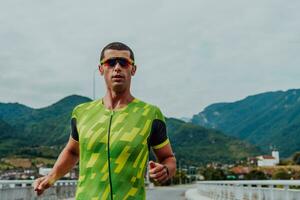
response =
{"points": [[118, 131]]}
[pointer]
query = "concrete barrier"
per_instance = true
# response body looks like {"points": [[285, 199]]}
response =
{"points": [[23, 190], [248, 190]]}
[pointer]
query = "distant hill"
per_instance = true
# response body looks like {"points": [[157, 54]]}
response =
{"points": [[37, 127], [7, 137], [11, 112], [267, 119], [198, 145], [6, 130], [43, 132], [185, 119]]}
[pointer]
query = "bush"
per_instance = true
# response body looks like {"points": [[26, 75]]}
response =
{"points": [[281, 175], [214, 174], [256, 175], [296, 158]]}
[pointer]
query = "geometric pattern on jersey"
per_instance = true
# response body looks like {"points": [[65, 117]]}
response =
{"points": [[119, 175]]}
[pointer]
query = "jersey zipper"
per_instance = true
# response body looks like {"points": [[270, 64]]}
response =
{"points": [[108, 155]]}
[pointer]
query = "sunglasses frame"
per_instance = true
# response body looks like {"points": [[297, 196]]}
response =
{"points": [[102, 62]]}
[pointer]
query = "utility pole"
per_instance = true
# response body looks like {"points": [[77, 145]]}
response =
{"points": [[180, 171], [94, 83]]}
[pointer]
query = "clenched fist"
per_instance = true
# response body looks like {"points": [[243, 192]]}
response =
{"points": [[158, 172], [42, 183]]}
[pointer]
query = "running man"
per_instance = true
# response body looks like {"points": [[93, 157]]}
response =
{"points": [[111, 138]]}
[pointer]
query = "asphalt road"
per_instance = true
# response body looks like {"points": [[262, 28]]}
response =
{"points": [[168, 193]]}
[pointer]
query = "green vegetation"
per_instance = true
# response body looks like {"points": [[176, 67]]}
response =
{"points": [[281, 175], [5, 166], [17, 162], [296, 158], [31, 133], [266, 119], [213, 174], [196, 145], [256, 175]]}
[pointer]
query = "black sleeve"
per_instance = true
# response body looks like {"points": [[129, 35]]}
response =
{"points": [[158, 133], [74, 132]]}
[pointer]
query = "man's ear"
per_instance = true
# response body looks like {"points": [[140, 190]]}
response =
{"points": [[133, 70], [101, 69]]}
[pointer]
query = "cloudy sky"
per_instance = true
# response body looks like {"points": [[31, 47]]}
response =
{"points": [[190, 54]]}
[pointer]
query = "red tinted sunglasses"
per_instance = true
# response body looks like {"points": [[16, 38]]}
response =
{"points": [[111, 62]]}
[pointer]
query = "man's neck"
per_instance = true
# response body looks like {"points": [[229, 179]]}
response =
{"points": [[113, 100]]}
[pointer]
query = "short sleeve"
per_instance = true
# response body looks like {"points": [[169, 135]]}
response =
{"points": [[158, 136], [74, 131]]}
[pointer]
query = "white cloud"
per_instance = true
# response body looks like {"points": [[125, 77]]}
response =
{"points": [[190, 53]]}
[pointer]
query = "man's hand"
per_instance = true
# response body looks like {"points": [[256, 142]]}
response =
{"points": [[42, 183], [65, 162], [158, 172]]}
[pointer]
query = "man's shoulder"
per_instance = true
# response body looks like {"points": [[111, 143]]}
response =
{"points": [[84, 106], [144, 104], [151, 109]]}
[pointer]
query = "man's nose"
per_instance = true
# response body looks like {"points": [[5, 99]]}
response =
{"points": [[117, 67]]}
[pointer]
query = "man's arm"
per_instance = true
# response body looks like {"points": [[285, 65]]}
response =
{"points": [[166, 168], [65, 162]]}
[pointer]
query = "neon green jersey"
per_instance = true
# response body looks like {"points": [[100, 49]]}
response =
{"points": [[114, 148]]}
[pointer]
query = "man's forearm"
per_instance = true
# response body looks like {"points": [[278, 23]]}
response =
{"points": [[65, 162], [170, 163]]}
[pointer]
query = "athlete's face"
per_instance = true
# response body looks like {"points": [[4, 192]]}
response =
{"points": [[117, 69]]}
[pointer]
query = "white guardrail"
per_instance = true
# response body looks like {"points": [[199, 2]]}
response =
{"points": [[250, 190], [23, 190]]}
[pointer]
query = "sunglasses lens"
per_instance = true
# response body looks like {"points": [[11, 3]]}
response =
{"points": [[123, 62], [111, 62]]}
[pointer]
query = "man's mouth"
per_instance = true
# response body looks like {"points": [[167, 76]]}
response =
{"points": [[117, 77]]}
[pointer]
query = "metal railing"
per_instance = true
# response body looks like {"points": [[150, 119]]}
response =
{"points": [[250, 190], [23, 190]]}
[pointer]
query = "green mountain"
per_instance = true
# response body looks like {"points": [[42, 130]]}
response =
{"points": [[49, 126], [198, 145], [11, 112], [43, 132], [53, 121], [6, 130], [7, 137], [267, 119]]}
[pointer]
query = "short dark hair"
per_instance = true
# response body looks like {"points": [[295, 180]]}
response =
{"points": [[117, 46]]}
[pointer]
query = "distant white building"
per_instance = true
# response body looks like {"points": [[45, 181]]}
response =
{"points": [[267, 160], [44, 171]]}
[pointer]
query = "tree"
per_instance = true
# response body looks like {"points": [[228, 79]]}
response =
{"points": [[256, 175], [213, 174], [179, 175], [281, 175], [296, 158], [296, 175]]}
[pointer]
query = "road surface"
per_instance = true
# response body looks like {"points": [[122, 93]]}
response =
{"points": [[168, 193]]}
